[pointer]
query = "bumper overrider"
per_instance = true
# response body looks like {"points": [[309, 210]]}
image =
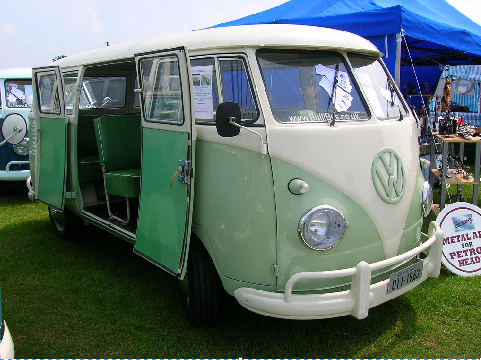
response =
{"points": [[358, 300], [6, 343]]}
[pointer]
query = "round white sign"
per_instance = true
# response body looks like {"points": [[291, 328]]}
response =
{"points": [[461, 224]]}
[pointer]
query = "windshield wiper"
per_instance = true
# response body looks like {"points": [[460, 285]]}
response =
{"points": [[333, 97], [392, 89]]}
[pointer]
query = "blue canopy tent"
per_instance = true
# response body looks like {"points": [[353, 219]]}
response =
{"points": [[435, 33]]}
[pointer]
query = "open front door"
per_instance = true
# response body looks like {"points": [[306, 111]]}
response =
{"points": [[51, 124], [165, 209]]}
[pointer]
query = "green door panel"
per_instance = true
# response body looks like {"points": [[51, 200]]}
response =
{"points": [[51, 155], [163, 210]]}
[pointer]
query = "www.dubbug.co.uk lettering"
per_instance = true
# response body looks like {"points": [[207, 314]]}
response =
{"points": [[323, 117]]}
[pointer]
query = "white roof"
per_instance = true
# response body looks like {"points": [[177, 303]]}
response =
{"points": [[16, 73], [269, 35]]}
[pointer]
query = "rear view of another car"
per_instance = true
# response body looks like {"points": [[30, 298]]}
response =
{"points": [[6, 342]]}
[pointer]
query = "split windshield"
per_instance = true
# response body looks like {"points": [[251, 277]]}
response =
{"points": [[379, 88], [18, 93], [308, 86]]}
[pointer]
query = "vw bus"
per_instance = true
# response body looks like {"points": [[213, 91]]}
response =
{"points": [[277, 163], [15, 104]]}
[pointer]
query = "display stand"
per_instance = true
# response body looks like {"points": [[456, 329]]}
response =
{"points": [[448, 176]]}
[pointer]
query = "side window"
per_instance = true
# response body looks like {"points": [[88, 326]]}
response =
{"points": [[69, 80], [162, 90], [18, 93], [103, 92], [221, 79], [136, 94], [48, 93], [236, 86]]}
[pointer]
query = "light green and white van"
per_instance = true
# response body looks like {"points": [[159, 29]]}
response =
{"points": [[276, 162]]}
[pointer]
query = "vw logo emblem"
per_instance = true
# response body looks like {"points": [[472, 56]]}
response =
{"points": [[388, 176]]}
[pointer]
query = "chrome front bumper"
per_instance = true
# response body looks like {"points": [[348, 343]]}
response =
{"points": [[357, 301], [15, 175]]}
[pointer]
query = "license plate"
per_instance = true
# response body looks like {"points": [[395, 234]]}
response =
{"points": [[405, 277]]}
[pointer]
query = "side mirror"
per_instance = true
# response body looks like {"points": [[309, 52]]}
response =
{"points": [[14, 129], [226, 112]]}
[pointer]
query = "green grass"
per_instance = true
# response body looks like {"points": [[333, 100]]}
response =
{"points": [[93, 298]]}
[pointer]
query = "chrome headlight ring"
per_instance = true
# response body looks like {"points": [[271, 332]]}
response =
{"points": [[22, 147], [322, 227]]}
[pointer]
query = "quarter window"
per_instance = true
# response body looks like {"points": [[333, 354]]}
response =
{"points": [[48, 93], [162, 90]]}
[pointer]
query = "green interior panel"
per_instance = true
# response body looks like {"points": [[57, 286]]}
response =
{"points": [[118, 141]]}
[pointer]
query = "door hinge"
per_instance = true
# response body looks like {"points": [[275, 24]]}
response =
{"points": [[185, 175], [70, 195], [275, 269]]}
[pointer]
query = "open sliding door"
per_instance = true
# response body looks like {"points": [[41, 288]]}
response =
{"points": [[168, 136]]}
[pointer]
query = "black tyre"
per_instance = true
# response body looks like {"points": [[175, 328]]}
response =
{"points": [[65, 223], [204, 289]]}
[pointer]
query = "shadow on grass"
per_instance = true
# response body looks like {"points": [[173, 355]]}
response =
{"points": [[92, 297]]}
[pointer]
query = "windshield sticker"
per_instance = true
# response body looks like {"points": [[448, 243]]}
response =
{"points": [[342, 97], [328, 79], [203, 99], [324, 117], [342, 100]]}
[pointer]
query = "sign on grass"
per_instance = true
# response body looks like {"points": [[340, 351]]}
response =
{"points": [[461, 224]]}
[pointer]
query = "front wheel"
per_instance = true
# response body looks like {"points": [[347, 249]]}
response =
{"points": [[65, 223], [204, 287]]}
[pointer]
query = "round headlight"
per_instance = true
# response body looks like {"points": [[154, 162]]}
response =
{"points": [[322, 227], [21, 148], [427, 198]]}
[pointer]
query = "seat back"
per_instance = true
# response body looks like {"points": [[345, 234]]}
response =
{"points": [[119, 141]]}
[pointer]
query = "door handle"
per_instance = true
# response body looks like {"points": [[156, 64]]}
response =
{"points": [[180, 169]]}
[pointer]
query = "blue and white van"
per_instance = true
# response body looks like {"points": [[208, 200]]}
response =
{"points": [[15, 104]]}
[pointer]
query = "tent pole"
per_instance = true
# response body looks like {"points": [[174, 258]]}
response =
{"points": [[398, 60]]}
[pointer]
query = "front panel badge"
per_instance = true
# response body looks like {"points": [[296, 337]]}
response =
{"points": [[388, 175]]}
